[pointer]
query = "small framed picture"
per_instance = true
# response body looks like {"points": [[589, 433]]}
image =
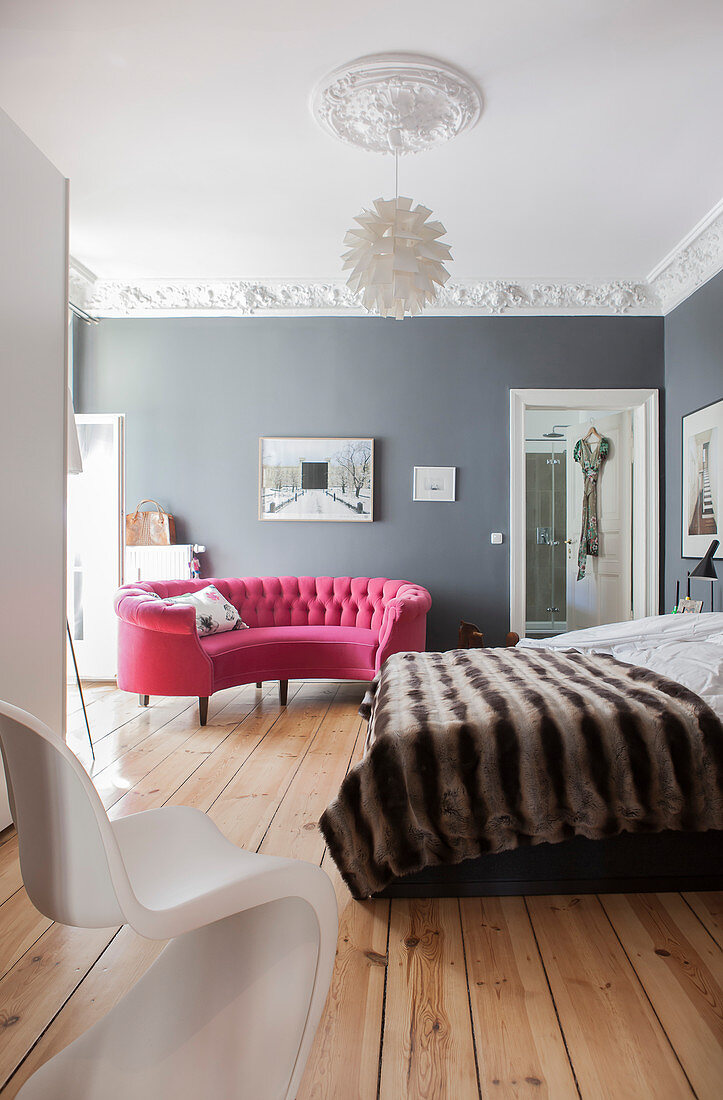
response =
{"points": [[690, 607], [702, 480], [434, 483]]}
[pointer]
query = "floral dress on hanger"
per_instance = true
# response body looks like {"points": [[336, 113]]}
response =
{"points": [[590, 460]]}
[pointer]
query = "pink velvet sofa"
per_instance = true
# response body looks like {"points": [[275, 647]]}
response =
{"points": [[299, 628]]}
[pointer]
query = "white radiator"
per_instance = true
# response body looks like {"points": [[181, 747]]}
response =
{"points": [[160, 563]]}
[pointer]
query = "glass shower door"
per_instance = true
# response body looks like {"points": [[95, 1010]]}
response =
{"points": [[545, 537]]}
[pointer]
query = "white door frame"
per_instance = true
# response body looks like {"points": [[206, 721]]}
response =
{"points": [[646, 488]]}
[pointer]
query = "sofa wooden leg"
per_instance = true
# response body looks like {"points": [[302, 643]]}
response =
{"points": [[144, 700], [259, 683], [283, 692], [203, 709]]}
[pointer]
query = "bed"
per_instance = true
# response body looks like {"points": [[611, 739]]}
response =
{"points": [[590, 761]]}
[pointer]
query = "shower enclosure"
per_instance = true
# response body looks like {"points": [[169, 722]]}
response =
{"points": [[546, 458]]}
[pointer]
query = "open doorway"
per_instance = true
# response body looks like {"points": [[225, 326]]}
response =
{"points": [[95, 544], [557, 438]]}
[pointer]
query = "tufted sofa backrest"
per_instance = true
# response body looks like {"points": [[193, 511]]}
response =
{"points": [[296, 601]]}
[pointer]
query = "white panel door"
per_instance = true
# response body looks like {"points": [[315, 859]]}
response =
{"points": [[604, 594], [33, 334]]}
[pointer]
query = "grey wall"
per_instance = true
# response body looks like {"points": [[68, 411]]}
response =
{"points": [[693, 378], [198, 393]]}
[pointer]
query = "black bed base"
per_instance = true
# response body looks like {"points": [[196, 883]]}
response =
{"points": [[628, 863]]}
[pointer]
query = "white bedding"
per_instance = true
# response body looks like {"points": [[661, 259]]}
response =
{"points": [[686, 648]]}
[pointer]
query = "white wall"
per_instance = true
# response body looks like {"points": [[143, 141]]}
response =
{"points": [[539, 421], [33, 370]]}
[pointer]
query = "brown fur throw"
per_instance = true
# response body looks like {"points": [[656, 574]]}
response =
{"points": [[476, 751]]}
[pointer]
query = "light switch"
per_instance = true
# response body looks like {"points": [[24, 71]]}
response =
{"points": [[496, 538]]}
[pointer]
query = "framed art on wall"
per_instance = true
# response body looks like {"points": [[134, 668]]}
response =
{"points": [[702, 494], [328, 480], [434, 483]]}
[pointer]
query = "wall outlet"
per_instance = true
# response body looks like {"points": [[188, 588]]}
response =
{"points": [[496, 538]]}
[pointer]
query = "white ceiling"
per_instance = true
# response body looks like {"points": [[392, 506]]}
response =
{"points": [[185, 129]]}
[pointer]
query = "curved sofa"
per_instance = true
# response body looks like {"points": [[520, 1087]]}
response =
{"points": [[299, 628]]}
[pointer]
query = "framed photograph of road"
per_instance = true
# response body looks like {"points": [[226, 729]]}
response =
{"points": [[702, 518], [318, 480]]}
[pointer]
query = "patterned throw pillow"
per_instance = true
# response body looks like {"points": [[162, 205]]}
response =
{"points": [[214, 614]]}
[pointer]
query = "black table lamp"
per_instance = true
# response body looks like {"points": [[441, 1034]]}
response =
{"points": [[705, 568]]}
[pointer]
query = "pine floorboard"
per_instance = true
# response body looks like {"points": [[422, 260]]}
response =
{"points": [[709, 910], [428, 1050], [681, 968], [345, 1057], [554, 997], [616, 1043], [520, 1046]]}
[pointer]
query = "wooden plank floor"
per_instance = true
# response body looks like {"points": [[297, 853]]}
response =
{"points": [[562, 997]]}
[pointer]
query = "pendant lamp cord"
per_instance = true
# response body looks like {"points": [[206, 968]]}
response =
{"points": [[396, 174]]}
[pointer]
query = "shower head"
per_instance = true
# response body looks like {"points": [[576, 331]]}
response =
{"points": [[554, 434]]}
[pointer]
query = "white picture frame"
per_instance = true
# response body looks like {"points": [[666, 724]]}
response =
{"points": [[317, 479], [437, 483], [702, 480]]}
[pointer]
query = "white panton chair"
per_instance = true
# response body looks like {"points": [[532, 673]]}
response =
{"points": [[230, 1008]]}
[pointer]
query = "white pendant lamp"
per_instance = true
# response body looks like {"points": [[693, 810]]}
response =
{"points": [[400, 104], [396, 258]]}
